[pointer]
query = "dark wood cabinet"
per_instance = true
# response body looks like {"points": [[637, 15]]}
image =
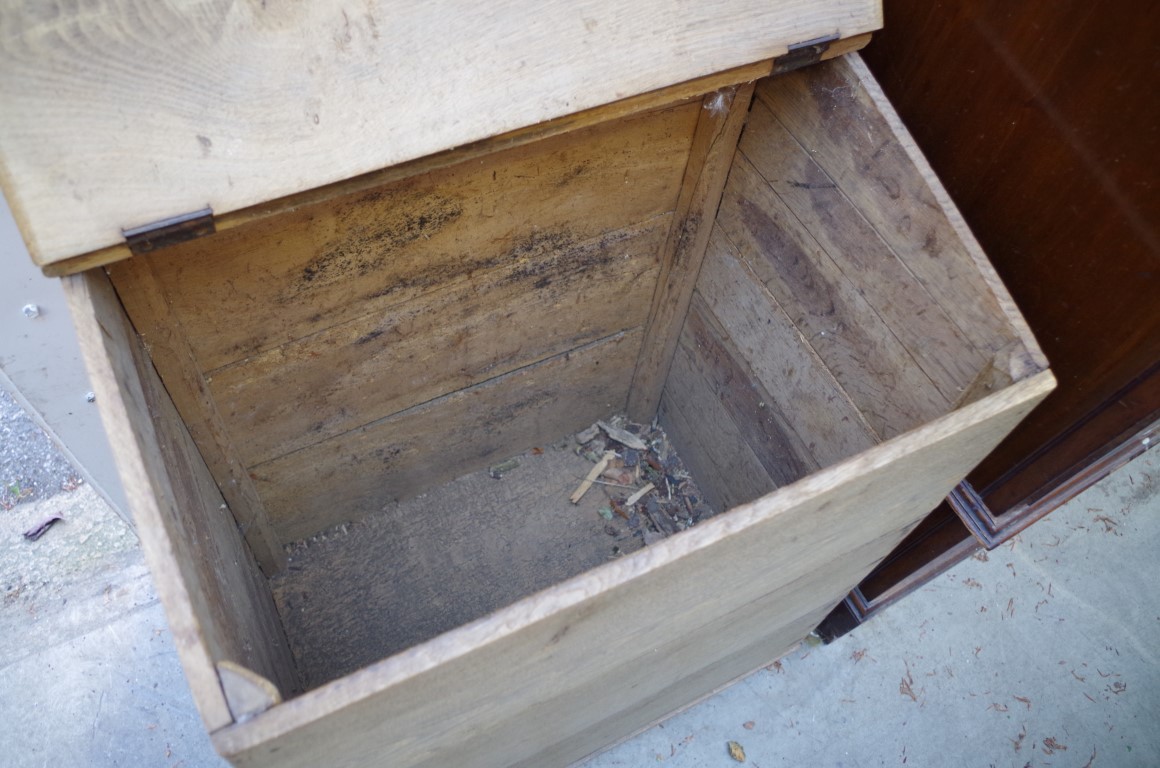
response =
{"points": [[1042, 121]]}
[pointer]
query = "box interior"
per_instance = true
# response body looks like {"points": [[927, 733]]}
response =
{"points": [[356, 359]]}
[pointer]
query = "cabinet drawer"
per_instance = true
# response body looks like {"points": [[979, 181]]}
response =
{"points": [[796, 301]]}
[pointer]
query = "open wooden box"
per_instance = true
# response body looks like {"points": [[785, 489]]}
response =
{"points": [[820, 335]]}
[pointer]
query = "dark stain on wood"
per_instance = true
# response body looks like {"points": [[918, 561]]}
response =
{"points": [[369, 336], [364, 247], [792, 263], [753, 410], [546, 257]]}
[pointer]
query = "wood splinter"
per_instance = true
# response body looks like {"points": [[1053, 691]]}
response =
{"points": [[634, 498], [592, 476]]}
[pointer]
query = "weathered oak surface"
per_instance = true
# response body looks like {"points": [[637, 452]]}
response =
{"points": [[126, 112], [216, 599], [363, 470], [599, 656]]}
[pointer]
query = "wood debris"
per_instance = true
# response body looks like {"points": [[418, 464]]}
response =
{"points": [[634, 498], [736, 751], [624, 437], [588, 481], [644, 480]]}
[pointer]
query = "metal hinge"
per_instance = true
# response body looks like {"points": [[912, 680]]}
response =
{"points": [[171, 231], [803, 54]]}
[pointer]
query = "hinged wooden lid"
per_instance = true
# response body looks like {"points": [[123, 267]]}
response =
{"points": [[118, 114]]}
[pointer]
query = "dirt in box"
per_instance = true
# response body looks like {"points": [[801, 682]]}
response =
{"points": [[365, 590]]}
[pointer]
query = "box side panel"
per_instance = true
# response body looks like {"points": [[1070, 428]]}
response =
{"points": [[566, 672], [215, 597], [746, 353], [841, 302], [319, 352], [553, 299], [250, 290], [404, 454], [838, 115]]}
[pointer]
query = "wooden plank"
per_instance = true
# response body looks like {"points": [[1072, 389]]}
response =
{"points": [[216, 601], [782, 361], [713, 448], [169, 351], [714, 142], [900, 299], [838, 113], [694, 602], [632, 105], [146, 109], [348, 476], [548, 301], [754, 411], [860, 349], [248, 290]]}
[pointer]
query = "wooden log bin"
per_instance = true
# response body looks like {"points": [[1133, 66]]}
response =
{"points": [[323, 260]]}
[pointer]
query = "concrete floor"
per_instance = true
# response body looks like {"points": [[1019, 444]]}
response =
{"points": [[1042, 652]]}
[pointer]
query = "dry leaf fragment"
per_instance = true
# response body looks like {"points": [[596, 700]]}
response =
{"points": [[36, 531], [736, 751], [1019, 741], [749, 726]]}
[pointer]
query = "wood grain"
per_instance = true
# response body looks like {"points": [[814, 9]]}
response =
{"points": [[838, 114], [714, 141], [670, 612], [217, 603], [802, 389], [550, 300], [767, 431], [858, 251], [360, 471], [168, 347], [440, 560], [855, 343], [712, 446], [249, 290], [141, 110], [661, 97]]}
